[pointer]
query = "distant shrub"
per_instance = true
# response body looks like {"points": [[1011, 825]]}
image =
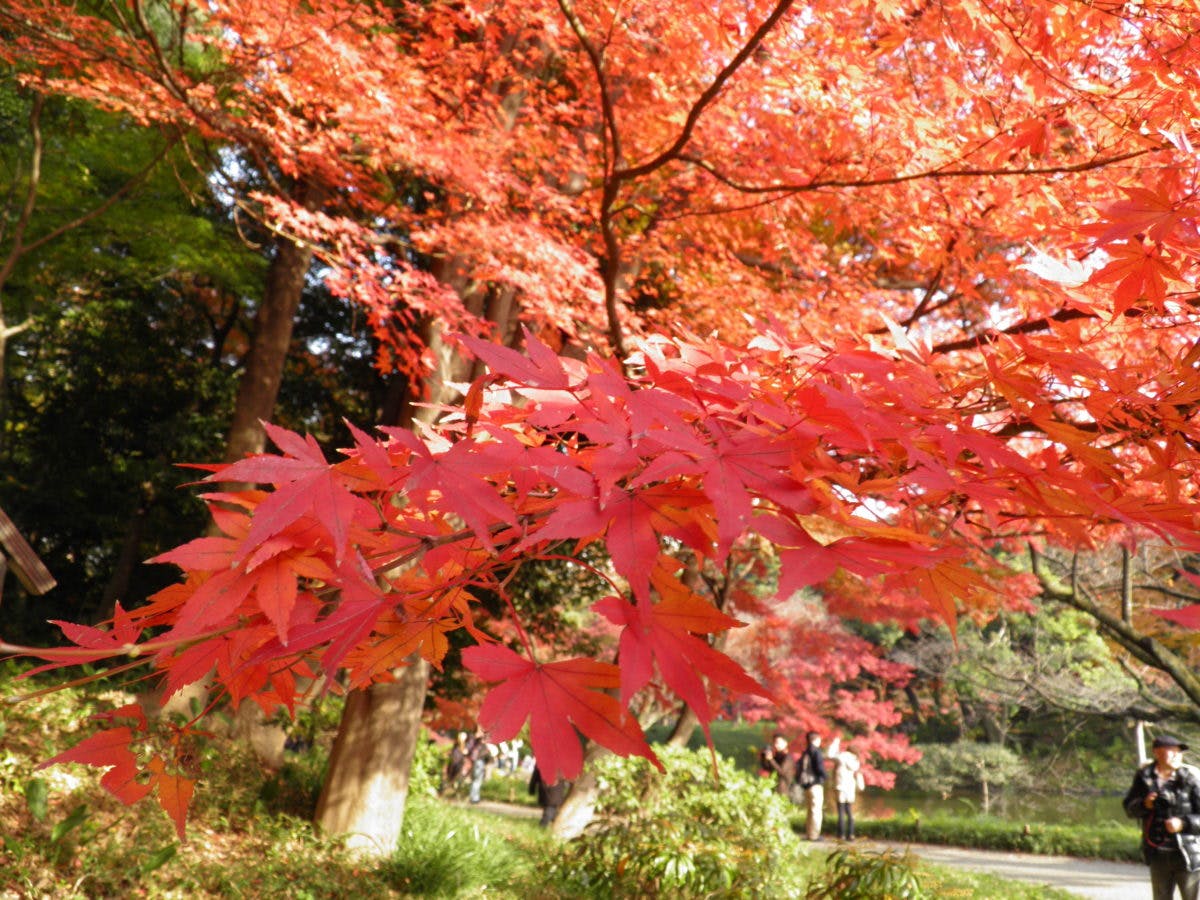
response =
{"points": [[851, 875], [1103, 840], [680, 833]]}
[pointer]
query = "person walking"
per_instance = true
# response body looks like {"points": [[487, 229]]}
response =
{"points": [[847, 782], [811, 774], [457, 765], [1165, 796], [481, 754], [550, 797]]}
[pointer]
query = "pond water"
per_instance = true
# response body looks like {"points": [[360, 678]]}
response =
{"points": [[1061, 809]]}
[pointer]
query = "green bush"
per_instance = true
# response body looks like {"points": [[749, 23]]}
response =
{"points": [[681, 833], [850, 875]]}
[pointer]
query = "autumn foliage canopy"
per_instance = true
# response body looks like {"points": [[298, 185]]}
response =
{"points": [[935, 264]]}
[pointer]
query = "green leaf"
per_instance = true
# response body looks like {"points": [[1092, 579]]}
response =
{"points": [[159, 857], [37, 798], [77, 817]]}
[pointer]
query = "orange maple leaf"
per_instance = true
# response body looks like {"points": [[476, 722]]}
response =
{"points": [[555, 698], [1139, 270], [174, 792]]}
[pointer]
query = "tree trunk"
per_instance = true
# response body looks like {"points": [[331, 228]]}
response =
{"points": [[130, 557], [258, 388], [366, 789], [579, 808], [685, 726]]}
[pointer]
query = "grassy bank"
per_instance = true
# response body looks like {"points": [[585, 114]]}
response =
{"points": [[1106, 840], [63, 837]]}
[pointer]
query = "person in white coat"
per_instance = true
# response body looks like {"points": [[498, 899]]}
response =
{"points": [[847, 782]]}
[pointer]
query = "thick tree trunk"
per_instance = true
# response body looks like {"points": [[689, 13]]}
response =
{"points": [[258, 388], [579, 808], [366, 789]]}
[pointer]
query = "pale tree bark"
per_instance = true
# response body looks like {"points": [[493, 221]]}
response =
{"points": [[365, 792], [579, 808]]}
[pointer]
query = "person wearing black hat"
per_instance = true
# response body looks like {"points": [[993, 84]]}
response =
{"points": [[1165, 795]]}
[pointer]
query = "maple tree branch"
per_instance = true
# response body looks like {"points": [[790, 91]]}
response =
{"points": [[1165, 591], [596, 58], [923, 306], [1145, 648], [927, 174], [1030, 326], [709, 95], [610, 264]]}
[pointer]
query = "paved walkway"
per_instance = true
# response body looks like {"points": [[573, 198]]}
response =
{"points": [[1091, 878]]}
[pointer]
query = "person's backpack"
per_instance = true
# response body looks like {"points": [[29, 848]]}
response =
{"points": [[807, 776]]}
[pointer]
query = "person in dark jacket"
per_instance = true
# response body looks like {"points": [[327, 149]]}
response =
{"points": [[811, 776], [1165, 795], [777, 760], [549, 796]]}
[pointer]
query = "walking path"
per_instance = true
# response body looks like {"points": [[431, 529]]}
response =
{"points": [[1093, 879]]}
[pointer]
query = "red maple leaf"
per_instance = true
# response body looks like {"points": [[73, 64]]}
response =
{"points": [[1151, 212], [555, 698], [665, 633], [1139, 270], [1187, 616], [305, 484], [457, 482], [542, 368], [109, 749]]}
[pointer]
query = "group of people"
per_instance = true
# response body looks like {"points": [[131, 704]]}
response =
{"points": [[472, 758], [801, 778], [1164, 797]]}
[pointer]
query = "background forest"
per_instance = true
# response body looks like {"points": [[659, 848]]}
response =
{"points": [[975, 227]]}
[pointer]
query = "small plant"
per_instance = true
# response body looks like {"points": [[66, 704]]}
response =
{"points": [[850, 875], [682, 833], [444, 852]]}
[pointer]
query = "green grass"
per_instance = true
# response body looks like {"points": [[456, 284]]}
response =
{"points": [[248, 836], [1104, 840]]}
